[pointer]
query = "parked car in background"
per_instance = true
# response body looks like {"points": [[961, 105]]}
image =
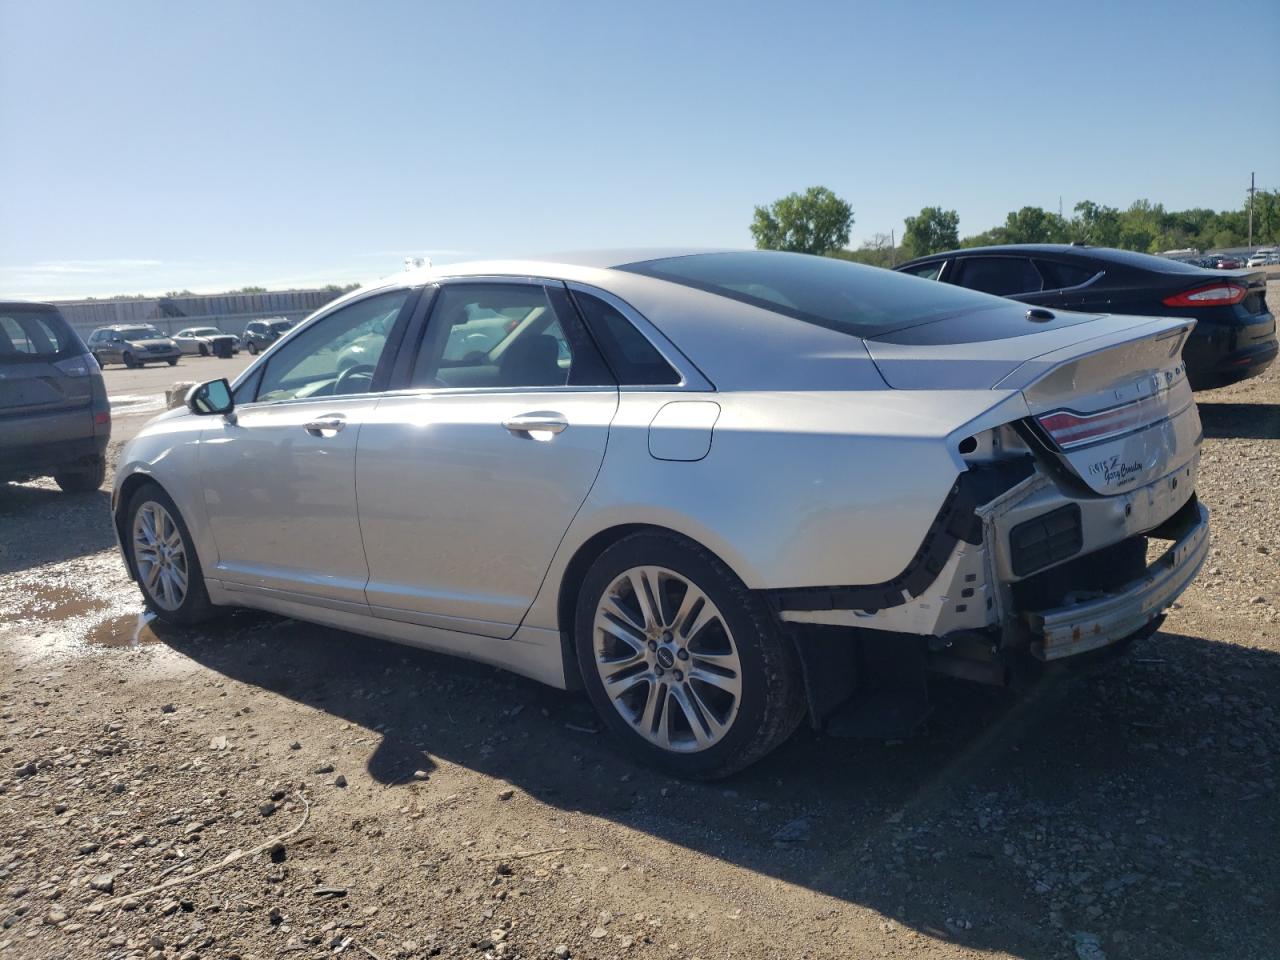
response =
{"points": [[260, 334], [1235, 334], [1262, 257], [54, 417], [1227, 263], [134, 345], [203, 341], [720, 491]]}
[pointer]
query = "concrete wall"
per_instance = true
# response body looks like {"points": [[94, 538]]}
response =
{"points": [[229, 312]]}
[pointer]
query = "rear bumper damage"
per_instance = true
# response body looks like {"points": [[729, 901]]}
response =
{"points": [[1055, 571], [1092, 621]]}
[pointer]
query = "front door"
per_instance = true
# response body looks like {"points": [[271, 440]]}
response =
{"points": [[279, 473], [469, 478]]}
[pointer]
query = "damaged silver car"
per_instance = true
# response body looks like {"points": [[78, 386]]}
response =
{"points": [[721, 491]]}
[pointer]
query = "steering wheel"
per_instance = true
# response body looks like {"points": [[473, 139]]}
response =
{"points": [[349, 374]]}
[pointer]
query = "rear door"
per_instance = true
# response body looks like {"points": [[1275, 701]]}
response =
{"points": [[469, 477], [41, 403]]}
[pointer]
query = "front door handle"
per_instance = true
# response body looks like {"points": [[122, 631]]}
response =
{"points": [[539, 422], [326, 426]]}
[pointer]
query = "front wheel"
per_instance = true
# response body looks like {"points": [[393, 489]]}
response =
{"points": [[682, 662], [164, 559], [253, 348], [173, 363], [204, 350], [128, 360]]}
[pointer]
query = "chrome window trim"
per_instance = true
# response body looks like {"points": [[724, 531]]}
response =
{"points": [[691, 378]]}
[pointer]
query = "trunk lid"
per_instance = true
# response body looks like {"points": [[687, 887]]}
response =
{"points": [[1108, 395]]}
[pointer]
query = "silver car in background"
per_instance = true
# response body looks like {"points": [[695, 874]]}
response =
{"points": [[719, 490]]}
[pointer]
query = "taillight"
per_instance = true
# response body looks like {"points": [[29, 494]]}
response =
{"points": [[76, 366], [1214, 295], [1070, 430]]}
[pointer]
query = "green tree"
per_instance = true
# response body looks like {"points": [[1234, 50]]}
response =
{"points": [[816, 221], [1096, 224], [1035, 225], [932, 231], [252, 290]]}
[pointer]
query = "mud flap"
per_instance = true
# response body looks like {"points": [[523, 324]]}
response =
{"points": [[863, 683]]}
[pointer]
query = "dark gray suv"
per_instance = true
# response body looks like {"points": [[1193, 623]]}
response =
{"points": [[54, 418]]}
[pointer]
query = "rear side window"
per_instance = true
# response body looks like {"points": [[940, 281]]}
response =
{"points": [[634, 360], [34, 335], [1060, 275], [1001, 276]]}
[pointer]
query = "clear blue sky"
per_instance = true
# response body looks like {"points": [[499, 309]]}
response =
{"points": [[154, 145]]}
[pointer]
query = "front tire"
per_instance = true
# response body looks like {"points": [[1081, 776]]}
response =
{"points": [[173, 363], [163, 557], [204, 351], [85, 480], [684, 664], [128, 360], [253, 348]]}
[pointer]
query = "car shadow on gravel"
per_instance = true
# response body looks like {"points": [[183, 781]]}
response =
{"points": [[41, 524], [1243, 421], [1134, 800]]}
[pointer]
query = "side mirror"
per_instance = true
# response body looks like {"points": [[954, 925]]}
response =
{"points": [[210, 398]]}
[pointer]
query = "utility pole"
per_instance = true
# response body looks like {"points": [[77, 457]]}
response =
{"points": [[893, 248], [1252, 190]]}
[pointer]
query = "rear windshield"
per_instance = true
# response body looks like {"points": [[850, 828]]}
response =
{"points": [[849, 297], [39, 334], [1146, 261]]}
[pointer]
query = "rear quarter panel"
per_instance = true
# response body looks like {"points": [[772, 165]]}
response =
{"points": [[797, 489]]}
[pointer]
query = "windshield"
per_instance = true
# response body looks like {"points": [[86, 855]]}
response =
{"points": [[837, 294], [139, 333], [280, 326], [204, 332]]}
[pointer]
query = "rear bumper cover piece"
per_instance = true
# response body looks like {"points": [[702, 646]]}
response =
{"points": [[1097, 622]]}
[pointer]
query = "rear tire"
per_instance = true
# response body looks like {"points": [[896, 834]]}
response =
{"points": [[204, 351], [86, 480], [162, 557], [173, 363], [128, 360], [99, 360], [702, 681]]}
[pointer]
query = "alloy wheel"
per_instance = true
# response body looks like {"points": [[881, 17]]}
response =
{"points": [[159, 555], [667, 659]]}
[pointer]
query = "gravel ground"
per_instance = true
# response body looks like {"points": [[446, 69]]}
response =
{"points": [[430, 807]]}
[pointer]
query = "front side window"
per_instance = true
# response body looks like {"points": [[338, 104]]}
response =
{"points": [[335, 356], [499, 335], [1001, 276], [27, 334]]}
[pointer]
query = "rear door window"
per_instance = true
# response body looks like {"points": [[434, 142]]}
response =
{"points": [[33, 335], [1001, 276]]}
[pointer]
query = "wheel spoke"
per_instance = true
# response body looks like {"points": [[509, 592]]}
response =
{"points": [[606, 623], [613, 607], [649, 717], [692, 597], [646, 600], [622, 682], [714, 727], [706, 614], [692, 716]]}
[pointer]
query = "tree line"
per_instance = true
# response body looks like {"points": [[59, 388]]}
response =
{"points": [[817, 221]]}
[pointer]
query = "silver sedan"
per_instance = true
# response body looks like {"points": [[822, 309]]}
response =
{"points": [[721, 491]]}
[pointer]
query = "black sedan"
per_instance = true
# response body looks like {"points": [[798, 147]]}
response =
{"points": [[1235, 333]]}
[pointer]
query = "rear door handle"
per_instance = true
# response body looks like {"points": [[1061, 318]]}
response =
{"points": [[326, 426], [541, 421]]}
